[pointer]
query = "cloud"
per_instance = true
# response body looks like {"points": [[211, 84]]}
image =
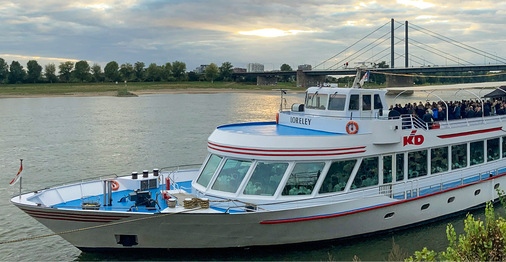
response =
{"points": [[272, 32], [201, 32], [416, 3]]}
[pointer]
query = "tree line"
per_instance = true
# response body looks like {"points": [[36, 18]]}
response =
{"points": [[81, 72]]}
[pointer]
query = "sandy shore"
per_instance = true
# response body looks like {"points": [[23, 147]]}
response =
{"points": [[150, 92]]}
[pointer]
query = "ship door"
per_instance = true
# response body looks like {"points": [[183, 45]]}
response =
{"points": [[388, 169], [354, 105], [366, 106]]}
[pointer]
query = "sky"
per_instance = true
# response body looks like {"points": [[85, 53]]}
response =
{"points": [[272, 33]]}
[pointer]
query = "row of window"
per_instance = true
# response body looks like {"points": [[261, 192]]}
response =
{"points": [[266, 176]]}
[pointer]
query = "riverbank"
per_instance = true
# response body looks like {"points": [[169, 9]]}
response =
{"points": [[112, 89]]}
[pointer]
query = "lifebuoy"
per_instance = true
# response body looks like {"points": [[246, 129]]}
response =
{"points": [[352, 127], [114, 185]]}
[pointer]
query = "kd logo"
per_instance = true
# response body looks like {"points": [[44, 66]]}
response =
{"points": [[413, 139]]}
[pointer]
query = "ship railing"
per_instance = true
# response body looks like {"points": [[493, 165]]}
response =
{"points": [[171, 170], [57, 189], [81, 181], [414, 122], [424, 186], [399, 191], [472, 121], [57, 193]]}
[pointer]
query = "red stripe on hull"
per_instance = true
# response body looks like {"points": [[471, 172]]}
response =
{"points": [[71, 217], [470, 133], [291, 220], [290, 150], [259, 154]]}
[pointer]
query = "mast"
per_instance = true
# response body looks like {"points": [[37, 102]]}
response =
{"points": [[392, 53], [406, 60]]}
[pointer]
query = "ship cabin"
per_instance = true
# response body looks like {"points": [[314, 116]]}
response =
{"points": [[309, 155], [343, 102]]}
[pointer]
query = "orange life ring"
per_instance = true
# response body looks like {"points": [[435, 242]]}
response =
{"points": [[352, 127], [114, 185]]}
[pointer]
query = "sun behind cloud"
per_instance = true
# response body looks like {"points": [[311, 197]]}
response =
{"points": [[272, 32], [416, 3]]}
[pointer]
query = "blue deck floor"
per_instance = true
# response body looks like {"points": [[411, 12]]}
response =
{"points": [[120, 201]]}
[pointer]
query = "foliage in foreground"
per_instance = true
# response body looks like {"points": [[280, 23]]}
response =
{"points": [[482, 240]]}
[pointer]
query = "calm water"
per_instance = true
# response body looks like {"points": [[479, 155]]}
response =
{"points": [[71, 138]]}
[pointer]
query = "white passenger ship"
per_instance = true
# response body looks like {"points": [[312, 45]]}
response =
{"points": [[331, 168]]}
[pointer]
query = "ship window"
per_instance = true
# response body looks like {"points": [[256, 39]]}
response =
{"points": [[231, 175], [366, 102], [316, 101], [367, 174], [303, 178], [377, 102], [209, 169], [354, 101], [337, 176], [459, 156], [399, 167], [417, 164], [336, 102], [387, 169], [438, 160], [265, 179], [476, 151], [492, 149], [504, 146]]}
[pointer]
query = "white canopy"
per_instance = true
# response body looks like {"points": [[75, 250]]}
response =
{"points": [[449, 87]]}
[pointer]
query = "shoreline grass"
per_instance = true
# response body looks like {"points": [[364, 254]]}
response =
{"points": [[90, 88]]}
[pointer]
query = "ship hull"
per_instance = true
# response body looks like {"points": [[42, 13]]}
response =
{"points": [[93, 230]]}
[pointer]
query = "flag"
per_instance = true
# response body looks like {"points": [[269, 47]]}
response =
{"points": [[15, 180], [364, 78]]}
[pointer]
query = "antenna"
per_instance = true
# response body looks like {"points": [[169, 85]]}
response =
{"points": [[283, 92]]}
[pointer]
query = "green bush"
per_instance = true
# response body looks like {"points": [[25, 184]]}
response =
{"points": [[482, 240]]}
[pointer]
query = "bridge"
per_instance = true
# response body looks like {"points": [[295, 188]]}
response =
{"points": [[306, 78], [396, 75]]}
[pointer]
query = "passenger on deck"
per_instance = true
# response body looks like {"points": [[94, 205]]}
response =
{"points": [[500, 111], [470, 112], [478, 112], [427, 117], [456, 112], [393, 114]]}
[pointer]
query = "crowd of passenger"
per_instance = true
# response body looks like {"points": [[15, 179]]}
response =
{"points": [[436, 111]]}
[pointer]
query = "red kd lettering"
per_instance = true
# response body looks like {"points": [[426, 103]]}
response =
{"points": [[413, 139]]}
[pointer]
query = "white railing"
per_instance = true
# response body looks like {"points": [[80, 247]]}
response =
{"points": [[426, 185]]}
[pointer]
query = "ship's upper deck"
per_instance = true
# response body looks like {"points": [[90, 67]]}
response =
{"points": [[272, 129]]}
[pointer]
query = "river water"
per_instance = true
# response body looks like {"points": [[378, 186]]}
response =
{"points": [[62, 139]]}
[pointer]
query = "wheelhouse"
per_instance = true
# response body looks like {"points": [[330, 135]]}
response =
{"points": [[344, 102]]}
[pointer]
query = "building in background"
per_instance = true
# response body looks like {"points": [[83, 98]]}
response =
{"points": [[255, 67], [239, 70], [200, 69], [304, 67]]}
